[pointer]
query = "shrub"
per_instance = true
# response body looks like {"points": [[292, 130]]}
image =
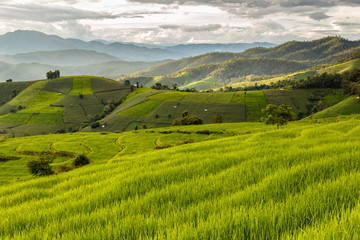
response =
{"points": [[95, 125], [217, 118], [81, 160], [188, 120], [206, 132], [156, 115], [144, 126], [64, 168], [41, 166]]}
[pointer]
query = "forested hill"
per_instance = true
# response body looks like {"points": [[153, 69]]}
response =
{"points": [[315, 52], [233, 68], [319, 51]]}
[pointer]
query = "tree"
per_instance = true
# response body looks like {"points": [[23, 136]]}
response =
{"points": [[278, 115], [127, 83], [217, 118]]}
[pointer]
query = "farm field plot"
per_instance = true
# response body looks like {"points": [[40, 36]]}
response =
{"points": [[255, 101], [25, 97], [226, 188], [60, 85], [42, 103], [81, 85], [8, 90], [297, 98], [209, 97]]}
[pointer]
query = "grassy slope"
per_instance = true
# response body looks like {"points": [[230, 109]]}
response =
{"points": [[54, 104], [260, 184], [349, 106], [6, 90]]}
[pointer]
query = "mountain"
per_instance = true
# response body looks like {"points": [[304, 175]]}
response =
{"points": [[198, 49], [216, 74], [113, 69], [215, 69], [73, 57], [21, 41], [319, 51]]}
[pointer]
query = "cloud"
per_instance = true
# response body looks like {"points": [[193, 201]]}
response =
{"points": [[257, 8], [48, 13], [318, 16], [189, 29]]}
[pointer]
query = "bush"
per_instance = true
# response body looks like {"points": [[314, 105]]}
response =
{"points": [[41, 166], [95, 125], [156, 115], [64, 168], [188, 120], [81, 160], [217, 118]]}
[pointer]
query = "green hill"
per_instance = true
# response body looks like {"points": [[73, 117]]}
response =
{"points": [[213, 70], [160, 108], [349, 106], [243, 181], [62, 104]]}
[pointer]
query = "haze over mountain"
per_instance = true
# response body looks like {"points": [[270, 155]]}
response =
{"points": [[32, 41]]}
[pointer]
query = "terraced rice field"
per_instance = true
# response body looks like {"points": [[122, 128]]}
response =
{"points": [[243, 181]]}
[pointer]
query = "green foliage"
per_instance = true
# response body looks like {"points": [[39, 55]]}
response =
{"points": [[277, 115], [217, 118], [95, 124], [81, 160], [188, 120], [41, 166]]}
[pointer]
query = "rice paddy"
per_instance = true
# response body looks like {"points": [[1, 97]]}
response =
{"points": [[233, 181]]}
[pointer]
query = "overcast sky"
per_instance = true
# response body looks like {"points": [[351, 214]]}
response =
{"points": [[183, 21]]}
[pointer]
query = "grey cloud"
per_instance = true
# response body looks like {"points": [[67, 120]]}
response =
{"points": [[45, 13], [189, 29], [203, 28], [318, 16], [347, 24]]}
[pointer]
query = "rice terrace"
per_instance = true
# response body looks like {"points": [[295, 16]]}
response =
{"points": [[179, 120]]}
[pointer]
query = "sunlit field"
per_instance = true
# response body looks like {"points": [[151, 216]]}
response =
{"points": [[219, 181]]}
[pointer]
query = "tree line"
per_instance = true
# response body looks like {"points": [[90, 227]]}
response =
{"points": [[52, 75]]}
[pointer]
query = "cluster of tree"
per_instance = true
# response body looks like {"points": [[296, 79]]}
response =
{"points": [[349, 81], [277, 115], [159, 86], [52, 75], [187, 119], [41, 166]]}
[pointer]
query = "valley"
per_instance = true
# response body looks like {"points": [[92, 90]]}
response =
{"points": [[228, 176]]}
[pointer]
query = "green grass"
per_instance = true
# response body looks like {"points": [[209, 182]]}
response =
{"points": [[7, 90], [60, 85], [81, 85], [20, 118], [342, 67], [209, 97], [142, 109], [255, 101], [26, 96], [41, 103], [349, 106], [169, 96], [137, 93], [302, 181]]}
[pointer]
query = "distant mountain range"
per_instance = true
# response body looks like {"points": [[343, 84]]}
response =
{"points": [[26, 55], [33, 42]]}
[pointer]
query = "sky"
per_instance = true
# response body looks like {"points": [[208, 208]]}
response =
{"points": [[183, 22]]}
